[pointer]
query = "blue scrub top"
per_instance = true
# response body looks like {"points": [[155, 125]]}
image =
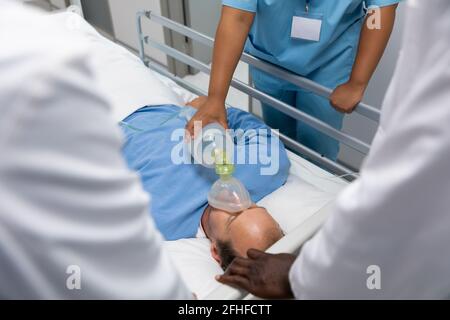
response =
{"points": [[270, 37]]}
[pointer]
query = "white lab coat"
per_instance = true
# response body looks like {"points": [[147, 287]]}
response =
{"points": [[68, 203], [396, 217]]}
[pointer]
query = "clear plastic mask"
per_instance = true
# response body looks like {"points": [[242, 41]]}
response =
{"points": [[229, 194], [212, 149]]}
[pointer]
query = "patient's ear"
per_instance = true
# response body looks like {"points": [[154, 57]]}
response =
{"points": [[215, 252]]}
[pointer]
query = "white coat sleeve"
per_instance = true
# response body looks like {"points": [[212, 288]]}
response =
{"points": [[389, 234], [74, 220]]}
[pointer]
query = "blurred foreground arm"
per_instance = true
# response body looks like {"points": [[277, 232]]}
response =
{"points": [[74, 221]]}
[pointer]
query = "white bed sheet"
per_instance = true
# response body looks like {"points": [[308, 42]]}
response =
{"points": [[130, 85]]}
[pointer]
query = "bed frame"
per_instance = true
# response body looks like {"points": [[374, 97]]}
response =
{"points": [[294, 240]]}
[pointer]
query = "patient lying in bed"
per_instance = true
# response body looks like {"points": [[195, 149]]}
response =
{"points": [[179, 203]]}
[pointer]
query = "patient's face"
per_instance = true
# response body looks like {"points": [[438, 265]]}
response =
{"points": [[234, 234]]}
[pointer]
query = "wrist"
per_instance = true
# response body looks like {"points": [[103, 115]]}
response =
{"points": [[358, 84], [289, 293], [216, 99]]}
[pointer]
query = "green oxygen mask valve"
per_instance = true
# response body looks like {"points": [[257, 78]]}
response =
{"points": [[223, 165]]}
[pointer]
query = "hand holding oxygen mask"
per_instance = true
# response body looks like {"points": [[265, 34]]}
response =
{"points": [[210, 150]]}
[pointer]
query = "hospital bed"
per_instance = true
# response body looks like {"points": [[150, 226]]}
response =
{"points": [[300, 206]]}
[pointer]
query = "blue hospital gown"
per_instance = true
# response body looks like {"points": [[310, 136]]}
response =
{"points": [[179, 191]]}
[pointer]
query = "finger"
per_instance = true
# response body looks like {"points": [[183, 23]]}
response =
{"points": [[194, 100], [187, 136], [223, 120], [194, 104], [334, 103], [197, 128], [354, 107], [237, 270], [224, 124], [189, 130], [194, 128], [339, 109], [235, 281], [255, 254], [241, 262], [347, 110]]}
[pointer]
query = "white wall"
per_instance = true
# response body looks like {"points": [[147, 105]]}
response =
{"points": [[123, 14], [205, 23]]}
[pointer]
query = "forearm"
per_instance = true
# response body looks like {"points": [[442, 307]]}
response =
{"points": [[231, 35], [372, 45]]}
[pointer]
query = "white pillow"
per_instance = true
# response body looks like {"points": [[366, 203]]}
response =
{"points": [[193, 260], [126, 81], [295, 202]]}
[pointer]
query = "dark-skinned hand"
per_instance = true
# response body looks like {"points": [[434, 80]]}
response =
{"points": [[346, 97], [262, 274]]}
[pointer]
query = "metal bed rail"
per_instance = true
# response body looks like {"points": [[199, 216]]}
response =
{"points": [[352, 142], [363, 109]]}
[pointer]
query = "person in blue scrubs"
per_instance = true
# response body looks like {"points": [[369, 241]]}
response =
{"points": [[335, 43]]}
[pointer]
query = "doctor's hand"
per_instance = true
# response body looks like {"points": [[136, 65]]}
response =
{"points": [[209, 111], [346, 97], [197, 102], [263, 275]]}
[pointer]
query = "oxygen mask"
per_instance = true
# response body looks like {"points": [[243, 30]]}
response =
{"points": [[213, 149]]}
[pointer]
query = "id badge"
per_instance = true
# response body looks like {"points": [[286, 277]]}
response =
{"points": [[307, 26]]}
